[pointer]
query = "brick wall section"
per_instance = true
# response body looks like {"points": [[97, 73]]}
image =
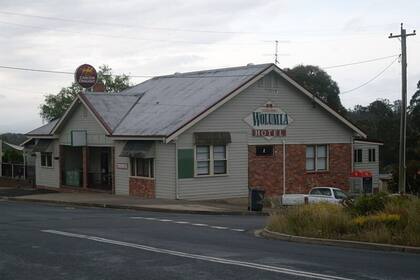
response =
{"points": [[15, 183], [267, 171], [142, 187]]}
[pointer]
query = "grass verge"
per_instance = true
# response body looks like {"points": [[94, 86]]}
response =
{"points": [[378, 218]]}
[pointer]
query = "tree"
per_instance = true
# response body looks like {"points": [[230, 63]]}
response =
{"points": [[319, 83], [55, 105], [413, 143], [380, 120]]}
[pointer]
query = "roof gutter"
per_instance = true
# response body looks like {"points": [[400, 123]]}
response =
{"points": [[122, 137]]}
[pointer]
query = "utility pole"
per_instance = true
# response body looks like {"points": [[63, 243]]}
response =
{"points": [[403, 120]]}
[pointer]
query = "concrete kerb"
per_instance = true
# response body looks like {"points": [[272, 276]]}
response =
{"points": [[335, 242], [138, 208]]}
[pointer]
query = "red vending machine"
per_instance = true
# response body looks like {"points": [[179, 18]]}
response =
{"points": [[360, 182]]}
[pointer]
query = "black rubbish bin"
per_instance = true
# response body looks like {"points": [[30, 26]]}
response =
{"points": [[255, 199]]}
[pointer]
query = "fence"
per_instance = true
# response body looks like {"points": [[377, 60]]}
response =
{"points": [[17, 171]]}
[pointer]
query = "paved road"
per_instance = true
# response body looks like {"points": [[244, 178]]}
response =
{"points": [[57, 242]]}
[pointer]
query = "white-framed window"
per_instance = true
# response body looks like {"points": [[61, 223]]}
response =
{"points": [[210, 160], [372, 155], [46, 159], [317, 157], [358, 155], [142, 167]]}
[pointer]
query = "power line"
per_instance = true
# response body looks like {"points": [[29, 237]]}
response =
{"points": [[130, 26], [131, 76], [185, 76], [372, 79], [35, 70], [360, 62], [259, 42], [153, 27]]}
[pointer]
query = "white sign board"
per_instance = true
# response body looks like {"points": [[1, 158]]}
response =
{"points": [[122, 165], [268, 121]]}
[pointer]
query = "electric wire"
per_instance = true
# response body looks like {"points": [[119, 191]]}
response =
{"points": [[360, 62], [372, 79], [180, 75]]}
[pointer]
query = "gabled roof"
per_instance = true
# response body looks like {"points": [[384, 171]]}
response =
{"points": [[111, 107], [166, 106], [44, 130], [169, 102]]}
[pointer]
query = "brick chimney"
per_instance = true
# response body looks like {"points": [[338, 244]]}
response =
{"points": [[98, 87]]}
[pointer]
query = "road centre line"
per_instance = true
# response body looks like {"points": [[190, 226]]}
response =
{"points": [[199, 257], [187, 223]]}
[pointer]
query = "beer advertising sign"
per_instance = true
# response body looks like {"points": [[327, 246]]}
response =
{"points": [[268, 121], [86, 76]]}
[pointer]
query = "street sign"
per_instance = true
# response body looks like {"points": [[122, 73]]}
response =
{"points": [[86, 76]]}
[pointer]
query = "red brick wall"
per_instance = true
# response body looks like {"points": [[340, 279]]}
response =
{"points": [[267, 171], [142, 187], [14, 183]]}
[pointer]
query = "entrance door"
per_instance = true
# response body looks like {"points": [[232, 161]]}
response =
{"points": [[105, 174]]}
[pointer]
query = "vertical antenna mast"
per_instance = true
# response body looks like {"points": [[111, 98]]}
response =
{"points": [[276, 54]]}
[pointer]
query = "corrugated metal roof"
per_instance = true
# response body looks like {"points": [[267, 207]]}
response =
{"points": [[169, 102], [112, 107], [44, 130], [161, 105]]}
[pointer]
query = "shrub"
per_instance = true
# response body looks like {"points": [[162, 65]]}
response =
{"points": [[369, 204], [372, 221]]}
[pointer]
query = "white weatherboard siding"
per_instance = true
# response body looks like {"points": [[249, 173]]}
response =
{"points": [[365, 164], [121, 175], [48, 176], [82, 119], [234, 184], [311, 125], [165, 170]]}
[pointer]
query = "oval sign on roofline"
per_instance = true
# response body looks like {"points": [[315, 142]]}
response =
{"points": [[86, 76]]}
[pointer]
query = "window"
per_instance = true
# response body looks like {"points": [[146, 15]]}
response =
{"points": [[210, 160], [358, 156], [203, 160], [46, 159], [321, 191], [264, 150], [219, 159], [142, 167], [317, 158], [340, 194], [372, 155]]}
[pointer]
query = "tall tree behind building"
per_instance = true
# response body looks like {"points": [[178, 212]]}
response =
{"points": [[55, 105], [413, 142], [319, 83]]}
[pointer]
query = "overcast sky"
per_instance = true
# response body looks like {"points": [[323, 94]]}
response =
{"points": [[166, 36]]}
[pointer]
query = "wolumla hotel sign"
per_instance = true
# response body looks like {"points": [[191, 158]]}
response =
{"points": [[268, 121]]}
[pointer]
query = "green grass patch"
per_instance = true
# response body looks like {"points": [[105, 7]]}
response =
{"points": [[378, 218]]}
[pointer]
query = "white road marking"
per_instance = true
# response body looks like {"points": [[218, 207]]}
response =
{"points": [[200, 225], [188, 223], [218, 227], [200, 257]]}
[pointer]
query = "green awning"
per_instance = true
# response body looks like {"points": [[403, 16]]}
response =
{"points": [[212, 138], [139, 149]]}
